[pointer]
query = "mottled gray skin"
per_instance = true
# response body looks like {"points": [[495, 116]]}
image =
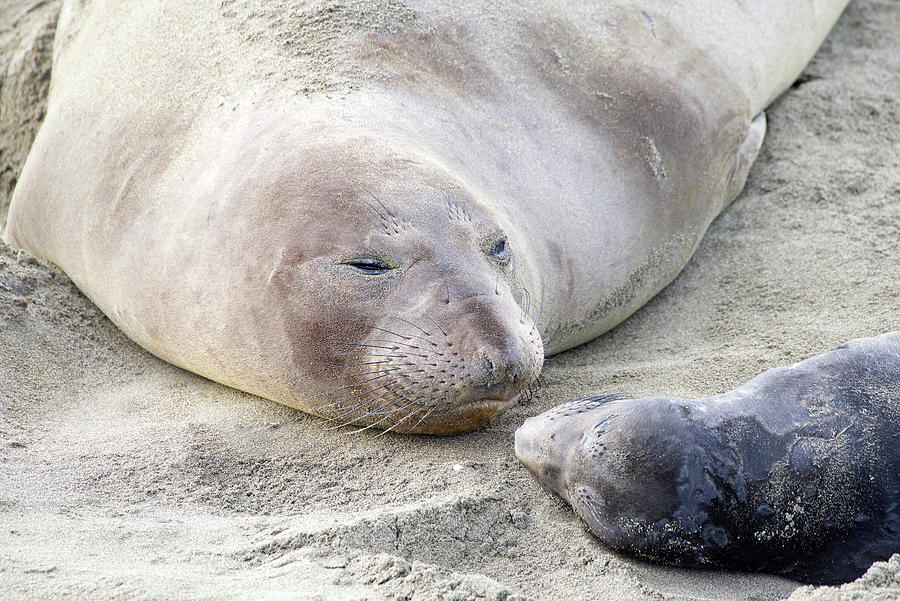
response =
{"points": [[796, 472]]}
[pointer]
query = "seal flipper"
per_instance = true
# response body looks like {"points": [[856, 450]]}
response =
{"points": [[745, 157]]}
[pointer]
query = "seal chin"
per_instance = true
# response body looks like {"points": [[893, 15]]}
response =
{"points": [[464, 417]]}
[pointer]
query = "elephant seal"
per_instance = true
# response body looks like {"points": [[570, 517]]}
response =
{"points": [[361, 209], [797, 472]]}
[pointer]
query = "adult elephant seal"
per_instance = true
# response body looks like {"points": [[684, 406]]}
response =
{"points": [[359, 209], [796, 472]]}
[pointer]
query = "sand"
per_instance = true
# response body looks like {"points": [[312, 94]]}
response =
{"points": [[123, 477], [26, 48]]}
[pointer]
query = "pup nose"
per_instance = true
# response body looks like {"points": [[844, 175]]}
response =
{"points": [[526, 445]]}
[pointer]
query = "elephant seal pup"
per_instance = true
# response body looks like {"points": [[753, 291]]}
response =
{"points": [[359, 209], [796, 472]]}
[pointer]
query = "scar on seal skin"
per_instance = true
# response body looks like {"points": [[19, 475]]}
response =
{"points": [[797, 472]]}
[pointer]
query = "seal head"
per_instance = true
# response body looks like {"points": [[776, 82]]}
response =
{"points": [[405, 318]]}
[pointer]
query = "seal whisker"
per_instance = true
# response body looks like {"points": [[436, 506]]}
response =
{"points": [[416, 400], [403, 356], [533, 389], [388, 404], [345, 418], [381, 218], [421, 419], [378, 200], [389, 348], [447, 286], [396, 392], [369, 401], [398, 422], [538, 311], [432, 343], [363, 405], [368, 373], [387, 416], [391, 363], [345, 411], [410, 336], [418, 348], [391, 332], [351, 385], [430, 318], [347, 365], [411, 323], [356, 396]]}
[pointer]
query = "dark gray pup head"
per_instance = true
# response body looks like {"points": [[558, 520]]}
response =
{"points": [[619, 463]]}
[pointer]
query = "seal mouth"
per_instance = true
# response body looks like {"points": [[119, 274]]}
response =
{"points": [[483, 409], [464, 417]]}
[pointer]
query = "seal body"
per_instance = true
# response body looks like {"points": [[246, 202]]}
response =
{"points": [[361, 209], [796, 472]]}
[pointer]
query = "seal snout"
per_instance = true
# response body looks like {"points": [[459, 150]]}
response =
{"points": [[503, 371], [503, 354], [531, 446], [535, 446], [525, 446], [511, 365]]}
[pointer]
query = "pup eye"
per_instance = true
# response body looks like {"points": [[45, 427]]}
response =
{"points": [[500, 248], [369, 266]]}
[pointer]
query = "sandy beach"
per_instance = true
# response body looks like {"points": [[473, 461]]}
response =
{"points": [[123, 477]]}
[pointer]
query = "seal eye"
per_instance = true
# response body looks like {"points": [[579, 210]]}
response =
{"points": [[500, 248], [369, 266]]}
